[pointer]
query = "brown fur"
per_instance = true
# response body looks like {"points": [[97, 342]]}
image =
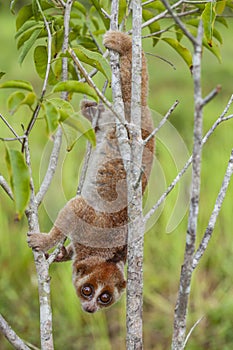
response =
{"points": [[96, 222]]}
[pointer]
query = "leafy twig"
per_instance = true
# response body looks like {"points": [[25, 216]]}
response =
{"points": [[178, 21], [45, 82], [58, 136]]}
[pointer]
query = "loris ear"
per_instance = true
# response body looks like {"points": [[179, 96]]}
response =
{"points": [[121, 285], [81, 269]]}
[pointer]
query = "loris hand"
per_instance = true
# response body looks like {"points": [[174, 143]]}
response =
{"points": [[38, 241]]}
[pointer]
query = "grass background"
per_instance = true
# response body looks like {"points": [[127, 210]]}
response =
{"points": [[211, 295]]}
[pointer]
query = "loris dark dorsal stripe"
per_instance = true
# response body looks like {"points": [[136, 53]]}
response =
{"points": [[96, 221]]}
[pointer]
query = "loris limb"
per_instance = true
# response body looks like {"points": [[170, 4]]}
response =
{"points": [[64, 224]]}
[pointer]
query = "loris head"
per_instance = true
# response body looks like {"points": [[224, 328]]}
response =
{"points": [[98, 283]]}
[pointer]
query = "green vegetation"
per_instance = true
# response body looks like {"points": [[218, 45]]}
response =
{"points": [[211, 296]]}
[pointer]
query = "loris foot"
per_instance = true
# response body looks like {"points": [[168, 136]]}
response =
{"points": [[65, 254], [38, 241]]}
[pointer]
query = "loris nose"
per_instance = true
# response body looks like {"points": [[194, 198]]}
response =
{"points": [[89, 308]]}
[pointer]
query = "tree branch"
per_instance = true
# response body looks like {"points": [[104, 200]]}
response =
{"points": [[218, 204], [162, 122], [191, 330], [42, 269], [186, 270], [211, 95], [52, 166], [42, 265], [11, 336], [6, 187], [11, 129], [136, 226]]}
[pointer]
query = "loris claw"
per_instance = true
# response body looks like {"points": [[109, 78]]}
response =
{"points": [[96, 222]]}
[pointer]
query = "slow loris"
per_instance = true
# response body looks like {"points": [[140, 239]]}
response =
{"points": [[96, 221]]}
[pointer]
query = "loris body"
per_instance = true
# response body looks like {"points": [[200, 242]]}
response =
{"points": [[96, 222]]}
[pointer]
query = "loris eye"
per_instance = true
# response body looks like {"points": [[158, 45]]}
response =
{"points": [[87, 290], [105, 298]]}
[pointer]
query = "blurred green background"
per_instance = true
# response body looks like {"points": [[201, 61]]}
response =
{"points": [[212, 291]]}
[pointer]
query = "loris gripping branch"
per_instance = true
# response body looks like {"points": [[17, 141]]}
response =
{"points": [[96, 222]]}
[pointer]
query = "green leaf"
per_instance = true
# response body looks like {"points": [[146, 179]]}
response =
{"points": [[95, 21], [179, 33], [156, 5], [14, 101], [20, 180], [230, 4], [82, 124], [93, 59], [214, 48], [153, 27], [29, 100], [16, 84], [24, 14], [181, 50], [222, 20], [28, 44], [51, 115], [195, 22], [26, 26], [217, 35], [18, 99], [64, 108], [71, 136], [220, 6], [208, 17], [105, 20], [79, 7], [86, 42], [57, 42], [41, 61], [24, 37], [75, 86]]}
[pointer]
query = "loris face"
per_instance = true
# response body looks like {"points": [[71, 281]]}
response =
{"points": [[98, 284]]}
